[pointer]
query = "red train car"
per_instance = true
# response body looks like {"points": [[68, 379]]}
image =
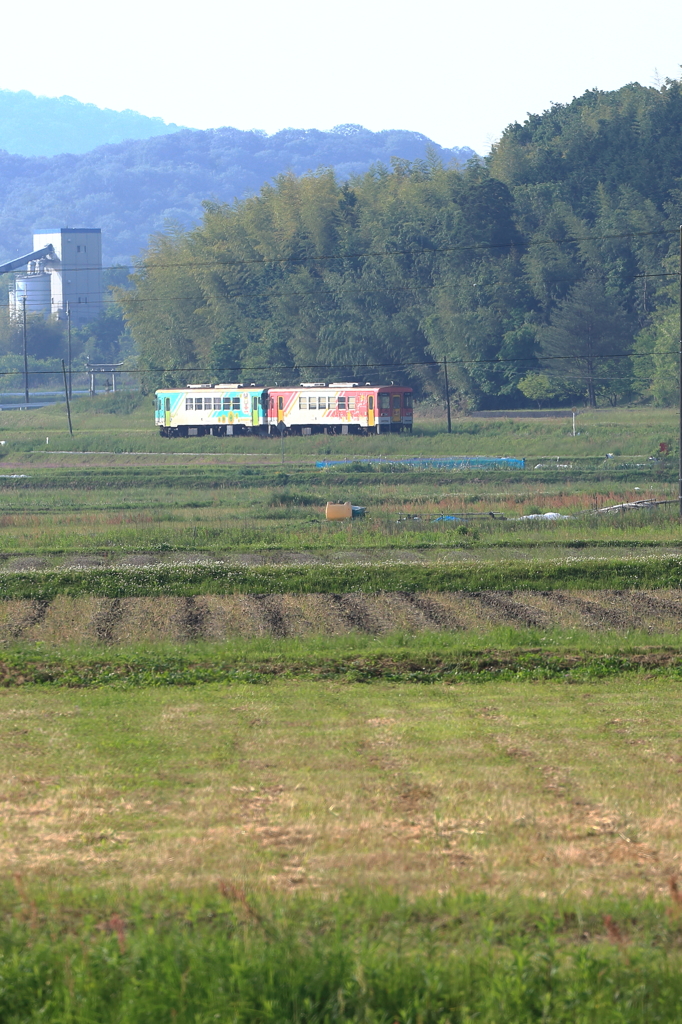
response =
{"points": [[339, 408]]}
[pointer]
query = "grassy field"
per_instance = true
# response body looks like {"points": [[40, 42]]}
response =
{"points": [[257, 767], [117, 489], [105, 422], [287, 835]]}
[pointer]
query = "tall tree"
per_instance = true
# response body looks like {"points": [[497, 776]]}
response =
{"points": [[586, 339]]}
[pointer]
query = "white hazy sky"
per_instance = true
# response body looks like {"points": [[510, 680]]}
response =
{"points": [[457, 71]]}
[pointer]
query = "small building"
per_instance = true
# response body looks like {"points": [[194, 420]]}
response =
{"points": [[71, 279]]}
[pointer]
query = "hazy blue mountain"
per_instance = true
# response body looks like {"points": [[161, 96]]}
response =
{"points": [[44, 126], [134, 188]]}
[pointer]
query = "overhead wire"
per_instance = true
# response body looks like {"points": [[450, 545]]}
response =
{"points": [[381, 254], [403, 364], [369, 255]]}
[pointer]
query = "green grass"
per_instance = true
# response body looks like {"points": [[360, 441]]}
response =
{"points": [[212, 578], [215, 495], [627, 433], [114, 512], [263, 833], [438, 827], [377, 959], [505, 653]]}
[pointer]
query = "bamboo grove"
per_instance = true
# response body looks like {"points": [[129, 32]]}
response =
{"points": [[545, 273]]}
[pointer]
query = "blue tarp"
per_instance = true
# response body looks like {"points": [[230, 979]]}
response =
{"points": [[442, 462]]}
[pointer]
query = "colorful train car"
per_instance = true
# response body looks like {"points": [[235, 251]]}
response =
{"points": [[228, 409], [219, 409], [339, 408]]}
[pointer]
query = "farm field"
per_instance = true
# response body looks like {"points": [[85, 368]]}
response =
{"points": [[220, 618], [261, 767], [116, 490], [311, 779], [283, 833]]}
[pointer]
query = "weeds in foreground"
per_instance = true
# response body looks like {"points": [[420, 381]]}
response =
{"points": [[375, 958]]}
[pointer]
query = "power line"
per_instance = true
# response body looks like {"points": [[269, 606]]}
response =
{"points": [[275, 367], [390, 289], [382, 254]]}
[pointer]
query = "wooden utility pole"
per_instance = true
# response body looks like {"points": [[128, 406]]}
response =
{"points": [[26, 395], [68, 328], [447, 394], [68, 404]]}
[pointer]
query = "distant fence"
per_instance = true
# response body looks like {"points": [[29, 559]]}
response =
{"points": [[443, 462]]}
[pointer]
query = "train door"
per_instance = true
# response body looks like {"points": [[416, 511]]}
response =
{"points": [[370, 410], [166, 412], [396, 409], [255, 410], [280, 408]]}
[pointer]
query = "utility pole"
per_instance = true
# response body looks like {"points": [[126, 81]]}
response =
{"points": [[447, 394], [68, 327], [68, 404], [25, 352]]}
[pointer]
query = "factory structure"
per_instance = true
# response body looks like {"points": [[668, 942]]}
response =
{"points": [[63, 276]]}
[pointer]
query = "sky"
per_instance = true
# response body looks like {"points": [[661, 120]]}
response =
{"points": [[457, 71]]}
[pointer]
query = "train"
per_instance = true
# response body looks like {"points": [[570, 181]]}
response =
{"points": [[341, 407]]}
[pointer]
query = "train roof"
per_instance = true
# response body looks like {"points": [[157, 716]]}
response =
{"points": [[283, 387]]}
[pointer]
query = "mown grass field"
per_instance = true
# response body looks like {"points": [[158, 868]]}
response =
{"points": [[310, 834], [342, 775], [259, 767]]}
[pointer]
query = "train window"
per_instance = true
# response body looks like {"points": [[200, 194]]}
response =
{"points": [[322, 402], [407, 401], [351, 402], [384, 401], [396, 401], [226, 403], [216, 403], [189, 403], [341, 402], [303, 402], [312, 402], [198, 403], [236, 403]]}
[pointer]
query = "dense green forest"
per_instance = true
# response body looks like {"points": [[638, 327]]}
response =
{"points": [[539, 275]]}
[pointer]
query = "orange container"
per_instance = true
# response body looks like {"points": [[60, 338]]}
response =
{"points": [[336, 511]]}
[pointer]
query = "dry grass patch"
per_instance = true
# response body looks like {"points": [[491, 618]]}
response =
{"points": [[216, 618], [503, 786]]}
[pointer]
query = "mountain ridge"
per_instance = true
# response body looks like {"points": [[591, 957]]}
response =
{"points": [[33, 125], [132, 189]]}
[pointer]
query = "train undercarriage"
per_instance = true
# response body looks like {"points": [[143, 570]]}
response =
{"points": [[283, 430]]}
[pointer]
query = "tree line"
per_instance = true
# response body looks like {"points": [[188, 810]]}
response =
{"points": [[539, 275]]}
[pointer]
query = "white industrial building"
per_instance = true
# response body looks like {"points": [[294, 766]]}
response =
{"points": [[67, 277]]}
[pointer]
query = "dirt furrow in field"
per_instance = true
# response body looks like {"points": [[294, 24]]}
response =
{"points": [[512, 608], [24, 616], [145, 619]]}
